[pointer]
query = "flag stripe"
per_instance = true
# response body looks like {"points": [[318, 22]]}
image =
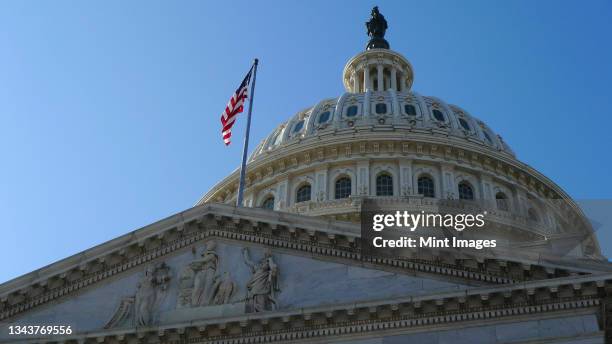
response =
{"points": [[234, 107]]}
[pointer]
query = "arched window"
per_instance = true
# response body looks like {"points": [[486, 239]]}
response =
{"points": [[466, 191], [438, 115], [381, 108], [343, 188], [324, 117], [426, 186], [533, 215], [410, 110], [502, 201], [351, 111], [268, 203], [278, 138], [464, 124], [303, 193], [384, 185], [486, 135], [298, 126]]}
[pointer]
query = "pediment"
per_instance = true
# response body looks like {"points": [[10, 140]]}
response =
{"points": [[217, 279], [112, 271]]}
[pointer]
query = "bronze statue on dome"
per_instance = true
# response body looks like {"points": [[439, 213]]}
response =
{"points": [[377, 26]]}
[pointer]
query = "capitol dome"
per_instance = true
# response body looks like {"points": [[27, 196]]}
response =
{"points": [[382, 140]]}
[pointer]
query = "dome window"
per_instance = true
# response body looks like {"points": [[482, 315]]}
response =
{"points": [[343, 188], [381, 108], [438, 115], [351, 111], [298, 126], [502, 201], [384, 185], [486, 135], [278, 138], [324, 117], [268, 203], [303, 193], [426, 186], [410, 110], [465, 191], [464, 124]]}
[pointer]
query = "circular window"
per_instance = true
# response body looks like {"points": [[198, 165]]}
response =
{"points": [[438, 115], [464, 124], [351, 111], [298, 126], [324, 117]]}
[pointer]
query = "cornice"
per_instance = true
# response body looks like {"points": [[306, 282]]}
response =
{"points": [[326, 239], [518, 302]]}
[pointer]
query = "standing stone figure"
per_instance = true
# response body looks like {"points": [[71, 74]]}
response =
{"points": [[202, 294], [185, 280], [150, 292], [263, 285], [224, 289]]}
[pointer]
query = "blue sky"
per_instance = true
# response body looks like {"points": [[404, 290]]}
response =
{"points": [[109, 109]]}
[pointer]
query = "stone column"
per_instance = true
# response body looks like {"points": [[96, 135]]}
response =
{"points": [[516, 202], [363, 178], [355, 83], [405, 178], [366, 78], [486, 189], [320, 184], [396, 107], [400, 87], [283, 194], [393, 78], [381, 84], [447, 181]]}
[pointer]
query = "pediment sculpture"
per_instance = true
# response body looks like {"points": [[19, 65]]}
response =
{"points": [[140, 309], [263, 285], [201, 285]]}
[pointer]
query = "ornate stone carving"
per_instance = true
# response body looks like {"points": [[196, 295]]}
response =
{"points": [[200, 284], [185, 287], [151, 292], [140, 309], [263, 285], [204, 279], [224, 289]]}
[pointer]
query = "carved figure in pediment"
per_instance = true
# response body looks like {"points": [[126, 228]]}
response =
{"points": [[263, 285], [224, 289], [151, 291], [139, 310], [186, 278], [204, 279]]}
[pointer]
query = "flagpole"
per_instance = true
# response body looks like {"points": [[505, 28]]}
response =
{"points": [[245, 147]]}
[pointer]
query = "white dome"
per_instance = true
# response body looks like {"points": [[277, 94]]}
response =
{"points": [[389, 111], [381, 140]]}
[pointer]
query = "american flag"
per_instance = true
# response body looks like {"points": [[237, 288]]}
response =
{"points": [[234, 107]]}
